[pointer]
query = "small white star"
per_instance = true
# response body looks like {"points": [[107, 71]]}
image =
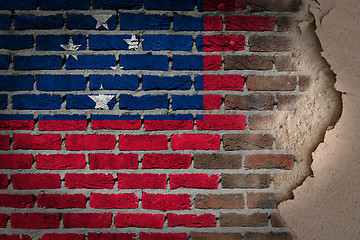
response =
{"points": [[114, 68], [71, 47], [101, 87], [101, 20], [133, 42], [102, 100]]}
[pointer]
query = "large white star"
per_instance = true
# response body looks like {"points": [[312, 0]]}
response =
{"points": [[71, 47], [101, 20], [102, 100], [133, 42]]}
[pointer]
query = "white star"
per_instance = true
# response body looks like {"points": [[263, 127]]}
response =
{"points": [[101, 20], [133, 42], [102, 100], [114, 68], [101, 87], [71, 47]]}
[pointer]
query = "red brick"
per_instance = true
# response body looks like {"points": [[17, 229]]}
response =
{"points": [[243, 220], [61, 201], [211, 5], [17, 201], [166, 202], [163, 236], [268, 236], [269, 161], [191, 220], [248, 62], [215, 236], [250, 23], [212, 62], [219, 201], [271, 83], [36, 181], [166, 161], [221, 43], [245, 181], [16, 161], [89, 142], [212, 23], [17, 125], [217, 161], [87, 220], [114, 201], [144, 220], [143, 142], [4, 218], [40, 142], [4, 181], [212, 102], [195, 142], [221, 122], [262, 200], [4, 142], [62, 125], [60, 161], [15, 237], [159, 125], [258, 102], [247, 141], [113, 161], [223, 82], [35, 220], [261, 122], [141, 181], [90, 181], [277, 221], [64, 236], [111, 236], [285, 63], [274, 5], [196, 180], [270, 43]]}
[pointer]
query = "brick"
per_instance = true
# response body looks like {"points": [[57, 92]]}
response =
{"points": [[262, 200], [247, 141], [36, 181], [250, 23], [18, 5], [36, 102], [287, 24], [219, 82], [4, 218], [113, 161], [87, 220], [44, 62], [17, 201], [259, 102], [166, 161], [15, 237], [64, 236], [89, 22], [220, 43], [271, 83], [89, 181], [304, 83], [86, 102], [4, 61], [227, 5], [141, 181], [16, 82], [243, 220], [274, 6], [288, 102], [167, 42], [62, 122], [191, 220], [212, 62], [269, 43], [146, 102], [196, 62], [114, 82], [220, 122], [23, 22], [40, 142], [144, 22], [3, 101], [215, 236], [166, 202], [144, 220], [213, 23], [111, 236], [35, 220], [4, 145], [277, 221], [245, 181], [285, 63], [90, 142], [60, 82], [166, 83], [143, 142], [16, 161], [54, 42], [248, 62], [168, 122], [188, 23], [195, 142], [116, 4], [63, 5], [61, 201], [91, 62], [269, 161], [219, 201], [60, 161], [268, 236], [259, 122], [217, 161], [195, 180], [183, 102], [163, 236], [114, 201], [4, 182], [116, 122], [144, 62], [182, 5], [108, 42], [16, 42]]}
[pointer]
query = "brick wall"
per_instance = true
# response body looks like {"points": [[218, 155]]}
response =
{"points": [[105, 139]]}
